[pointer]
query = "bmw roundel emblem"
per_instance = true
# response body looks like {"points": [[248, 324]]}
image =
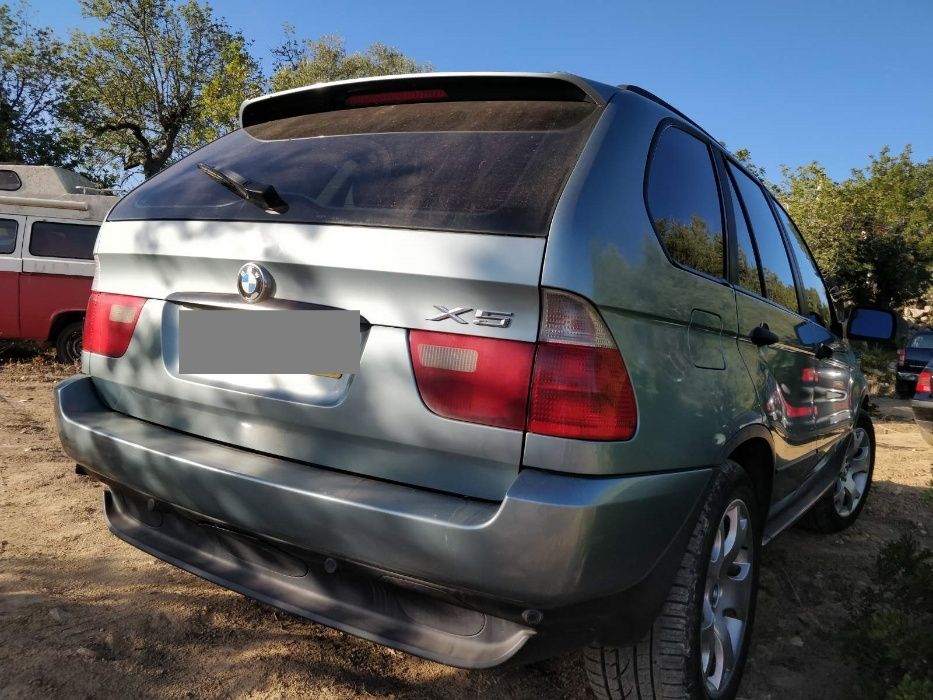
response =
{"points": [[254, 283]]}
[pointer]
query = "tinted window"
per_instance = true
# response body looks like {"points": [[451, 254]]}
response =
{"points": [[775, 265], [924, 341], [813, 289], [494, 167], [683, 201], [7, 235], [748, 267], [9, 181], [51, 239]]}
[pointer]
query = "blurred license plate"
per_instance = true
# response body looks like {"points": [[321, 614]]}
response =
{"points": [[266, 341]]}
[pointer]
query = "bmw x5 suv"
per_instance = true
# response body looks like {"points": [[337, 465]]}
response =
{"points": [[591, 369]]}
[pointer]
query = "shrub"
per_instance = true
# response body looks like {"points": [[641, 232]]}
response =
{"points": [[888, 637]]}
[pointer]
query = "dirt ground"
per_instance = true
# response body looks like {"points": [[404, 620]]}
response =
{"points": [[84, 615]]}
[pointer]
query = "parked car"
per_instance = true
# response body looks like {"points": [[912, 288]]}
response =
{"points": [[911, 359], [49, 218], [597, 370], [922, 404]]}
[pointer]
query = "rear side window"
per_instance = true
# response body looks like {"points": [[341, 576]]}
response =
{"points": [[496, 167], [683, 201], [813, 289], [51, 239], [775, 265], [8, 229], [923, 341]]}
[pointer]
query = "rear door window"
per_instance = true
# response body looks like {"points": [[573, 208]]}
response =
{"points": [[814, 291], [488, 166], [775, 265], [53, 239], [8, 228], [683, 202], [749, 269]]}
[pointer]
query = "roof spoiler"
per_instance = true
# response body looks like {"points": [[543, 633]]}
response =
{"points": [[327, 97]]}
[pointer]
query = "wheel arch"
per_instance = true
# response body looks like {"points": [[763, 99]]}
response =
{"points": [[62, 319], [753, 449]]}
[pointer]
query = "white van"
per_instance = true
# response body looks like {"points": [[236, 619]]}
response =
{"points": [[49, 218]]}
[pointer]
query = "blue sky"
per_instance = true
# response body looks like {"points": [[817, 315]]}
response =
{"points": [[794, 81]]}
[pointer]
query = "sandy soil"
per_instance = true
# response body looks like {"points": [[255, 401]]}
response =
{"points": [[84, 615]]}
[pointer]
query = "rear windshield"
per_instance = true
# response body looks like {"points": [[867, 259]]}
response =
{"points": [[495, 167], [923, 341]]}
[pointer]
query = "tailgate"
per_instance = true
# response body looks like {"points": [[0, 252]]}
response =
{"points": [[423, 203], [373, 423]]}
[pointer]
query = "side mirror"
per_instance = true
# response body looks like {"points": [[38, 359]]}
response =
{"points": [[867, 323]]}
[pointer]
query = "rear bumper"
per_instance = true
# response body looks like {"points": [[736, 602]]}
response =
{"points": [[595, 555], [923, 417]]}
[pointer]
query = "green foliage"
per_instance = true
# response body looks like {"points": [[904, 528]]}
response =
{"points": [[872, 234], [157, 80], [878, 362], [300, 63], [744, 156], [31, 85], [889, 631]]}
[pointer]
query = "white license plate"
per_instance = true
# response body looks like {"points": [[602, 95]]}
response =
{"points": [[266, 341]]}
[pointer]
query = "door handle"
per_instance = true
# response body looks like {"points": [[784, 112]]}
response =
{"points": [[762, 335], [823, 352]]}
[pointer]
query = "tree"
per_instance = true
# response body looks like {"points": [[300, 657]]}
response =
{"points": [[300, 63], [31, 85], [159, 79], [872, 233], [744, 156]]}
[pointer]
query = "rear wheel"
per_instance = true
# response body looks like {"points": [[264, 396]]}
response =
{"points": [[841, 505], [698, 644], [69, 342]]}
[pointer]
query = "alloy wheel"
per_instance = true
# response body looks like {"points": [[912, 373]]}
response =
{"points": [[853, 476], [726, 597]]}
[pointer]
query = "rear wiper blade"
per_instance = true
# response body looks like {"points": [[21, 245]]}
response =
{"points": [[261, 195]]}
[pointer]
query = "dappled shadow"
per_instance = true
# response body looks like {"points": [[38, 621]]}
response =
{"points": [[149, 630]]}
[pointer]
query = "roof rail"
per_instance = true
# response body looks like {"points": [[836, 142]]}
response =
{"points": [[657, 100], [18, 201], [326, 97]]}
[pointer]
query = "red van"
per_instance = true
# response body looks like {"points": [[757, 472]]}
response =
{"points": [[49, 218]]}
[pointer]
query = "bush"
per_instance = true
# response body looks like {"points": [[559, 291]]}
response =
{"points": [[879, 365], [889, 638]]}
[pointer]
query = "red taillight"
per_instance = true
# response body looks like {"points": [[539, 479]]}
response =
{"points": [[480, 380], [923, 382], [901, 356], [580, 387], [110, 321], [396, 97]]}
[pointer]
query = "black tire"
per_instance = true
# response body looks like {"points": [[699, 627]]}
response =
{"points": [[824, 516], [69, 341], [667, 663]]}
